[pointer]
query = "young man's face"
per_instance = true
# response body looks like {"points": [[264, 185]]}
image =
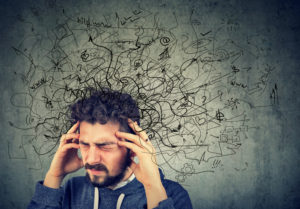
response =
{"points": [[104, 160]]}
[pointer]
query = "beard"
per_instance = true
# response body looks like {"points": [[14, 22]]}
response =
{"points": [[108, 180]]}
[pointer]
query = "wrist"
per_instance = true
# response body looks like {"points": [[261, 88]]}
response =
{"points": [[152, 182], [155, 193], [53, 181], [157, 186]]}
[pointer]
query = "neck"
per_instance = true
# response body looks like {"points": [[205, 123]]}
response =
{"points": [[127, 175]]}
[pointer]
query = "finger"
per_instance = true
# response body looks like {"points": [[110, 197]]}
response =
{"points": [[74, 128], [133, 138], [138, 130], [70, 146], [136, 149], [65, 138]]}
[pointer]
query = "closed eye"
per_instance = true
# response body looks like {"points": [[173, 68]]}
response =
{"points": [[83, 143], [107, 147]]}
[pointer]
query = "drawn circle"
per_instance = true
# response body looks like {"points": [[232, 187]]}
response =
{"points": [[138, 63], [221, 55], [165, 41], [21, 100]]}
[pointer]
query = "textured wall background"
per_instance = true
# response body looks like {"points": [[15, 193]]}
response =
{"points": [[216, 81]]}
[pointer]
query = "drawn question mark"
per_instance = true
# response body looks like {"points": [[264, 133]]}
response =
{"points": [[204, 99]]}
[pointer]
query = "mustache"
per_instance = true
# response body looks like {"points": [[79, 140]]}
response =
{"points": [[98, 167]]}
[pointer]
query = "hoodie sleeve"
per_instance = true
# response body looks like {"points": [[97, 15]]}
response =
{"points": [[178, 198], [45, 197]]}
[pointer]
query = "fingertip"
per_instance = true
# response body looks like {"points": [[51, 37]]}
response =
{"points": [[118, 134], [131, 122], [122, 143]]}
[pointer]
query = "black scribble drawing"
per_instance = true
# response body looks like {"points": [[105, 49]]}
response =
{"points": [[193, 90]]}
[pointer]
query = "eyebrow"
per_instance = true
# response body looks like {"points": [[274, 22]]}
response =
{"points": [[99, 144]]}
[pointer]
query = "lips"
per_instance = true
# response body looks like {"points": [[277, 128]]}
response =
{"points": [[96, 172]]}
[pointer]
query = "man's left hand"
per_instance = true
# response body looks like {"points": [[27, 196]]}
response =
{"points": [[146, 170]]}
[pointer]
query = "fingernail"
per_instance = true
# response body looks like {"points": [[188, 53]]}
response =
{"points": [[130, 121]]}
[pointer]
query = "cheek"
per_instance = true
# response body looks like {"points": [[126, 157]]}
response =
{"points": [[118, 158], [112, 158]]}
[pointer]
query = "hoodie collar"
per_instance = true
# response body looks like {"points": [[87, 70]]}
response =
{"points": [[123, 183]]}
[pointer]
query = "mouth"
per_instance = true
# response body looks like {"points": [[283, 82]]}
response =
{"points": [[97, 172]]}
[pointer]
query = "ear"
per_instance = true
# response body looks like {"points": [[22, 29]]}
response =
{"points": [[132, 154]]}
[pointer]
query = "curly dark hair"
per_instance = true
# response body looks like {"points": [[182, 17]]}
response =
{"points": [[106, 105]]}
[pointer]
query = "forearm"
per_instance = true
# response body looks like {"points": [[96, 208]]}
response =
{"points": [[46, 197], [155, 194], [52, 181]]}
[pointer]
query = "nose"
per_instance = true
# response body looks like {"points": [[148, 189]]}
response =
{"points": [[93, 156]]}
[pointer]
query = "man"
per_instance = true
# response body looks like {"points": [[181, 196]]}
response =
{"points": [[108, 135]]}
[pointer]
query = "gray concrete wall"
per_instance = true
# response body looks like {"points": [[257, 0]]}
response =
{"points": [[216, 82]]}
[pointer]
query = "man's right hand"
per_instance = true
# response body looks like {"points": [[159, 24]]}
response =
{"points": [[65, 159]]}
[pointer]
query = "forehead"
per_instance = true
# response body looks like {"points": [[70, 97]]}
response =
{"points": [[98, 132]]}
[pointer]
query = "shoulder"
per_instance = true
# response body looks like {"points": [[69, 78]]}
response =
{"points": [[178, 194], [173, 186], [78, 183]]}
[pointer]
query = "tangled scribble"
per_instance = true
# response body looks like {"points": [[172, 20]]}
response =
{"points": [[193, 90]]}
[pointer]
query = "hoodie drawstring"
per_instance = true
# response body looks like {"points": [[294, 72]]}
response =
{"points": [[120, 200], [96, 199]]}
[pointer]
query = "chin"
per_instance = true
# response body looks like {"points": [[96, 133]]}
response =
{"points": [[96, 180]]}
